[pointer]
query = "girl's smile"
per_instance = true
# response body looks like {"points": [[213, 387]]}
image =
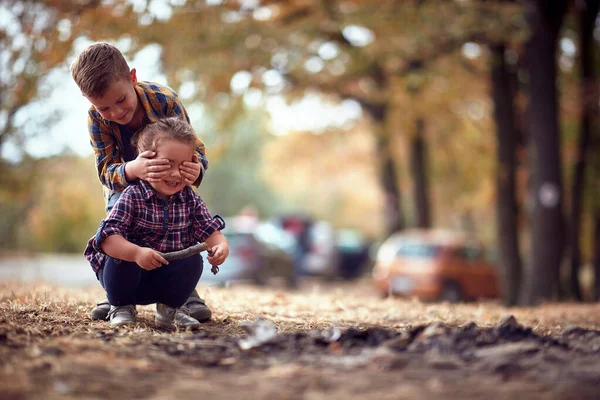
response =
{"points": [[177, 153]]}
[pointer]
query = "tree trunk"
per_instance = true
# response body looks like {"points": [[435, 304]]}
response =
{"points": [[389, 178], [506, 198], [595, 295], [418, 164], [545, 19], [587, 19]]}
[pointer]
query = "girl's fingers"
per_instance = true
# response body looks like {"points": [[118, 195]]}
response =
{"points": [[161, 259]]}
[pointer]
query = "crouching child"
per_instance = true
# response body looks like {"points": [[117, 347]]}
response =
{"points": [[151, 218]]}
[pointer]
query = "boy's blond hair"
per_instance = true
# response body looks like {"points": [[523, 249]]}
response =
{"points": [[97, 67]]}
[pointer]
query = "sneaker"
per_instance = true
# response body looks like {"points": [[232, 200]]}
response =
{"points": [[122, 315], [169, 318], [197, 308], [100, 312]]}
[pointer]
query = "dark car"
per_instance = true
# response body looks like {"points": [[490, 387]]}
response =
{"points": [[254, 256], [316, 249], [353, 253]]}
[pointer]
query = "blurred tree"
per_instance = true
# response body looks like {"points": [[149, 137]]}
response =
{"points": [[338, 185], [235, 180], [589, 95], [17, 197], [506, 197], [547, 223], [36, 36], [68, 206], [352, 49]]}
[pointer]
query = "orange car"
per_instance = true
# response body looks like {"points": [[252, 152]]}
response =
{"points": [[434, 265]]}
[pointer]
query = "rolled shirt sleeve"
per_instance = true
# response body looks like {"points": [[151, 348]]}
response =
{"points": [[203, 223], [117, 222], [109, 160]]}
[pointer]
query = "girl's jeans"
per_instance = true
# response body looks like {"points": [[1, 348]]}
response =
{"points": [[127, 283]]}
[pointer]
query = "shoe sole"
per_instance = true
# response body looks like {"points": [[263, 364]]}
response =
{"points": [[201, 315], [98, 314], [122, 323], [166, 325]]}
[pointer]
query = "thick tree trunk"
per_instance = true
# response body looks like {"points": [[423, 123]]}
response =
{"points": [[418, 167], [506, 198], [389, 178], [547, 231], [587, 19]]}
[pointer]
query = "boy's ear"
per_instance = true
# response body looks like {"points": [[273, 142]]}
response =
{"points": [[133, 76]]}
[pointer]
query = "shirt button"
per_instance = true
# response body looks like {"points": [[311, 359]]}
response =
{"points": [[165, 207]]}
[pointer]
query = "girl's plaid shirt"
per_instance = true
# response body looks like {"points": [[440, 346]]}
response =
{"points": [[144, 218], [107, 140]]}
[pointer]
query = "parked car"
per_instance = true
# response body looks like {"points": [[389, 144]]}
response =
{"points": [[434, 265], [353, 253], [316, 251], [257, 254], [322, 258]]}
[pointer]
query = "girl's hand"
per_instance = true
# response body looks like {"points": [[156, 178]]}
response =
{"points": [[218, 253], [146, 167], [149, 259], [190, 170]]}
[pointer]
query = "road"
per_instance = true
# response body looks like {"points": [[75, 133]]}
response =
{"points": [[71, 270]]}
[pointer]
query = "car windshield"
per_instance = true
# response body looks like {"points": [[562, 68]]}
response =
{"points": [[418, 250], [236, 239]]}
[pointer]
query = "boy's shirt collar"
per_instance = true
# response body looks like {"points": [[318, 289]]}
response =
{"points": [[148, 192], [140, 90]]}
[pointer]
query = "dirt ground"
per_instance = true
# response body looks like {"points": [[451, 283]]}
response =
{"points": [[333, 341]]}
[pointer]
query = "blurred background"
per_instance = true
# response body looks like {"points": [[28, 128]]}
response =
{"points": [[456, 133]]}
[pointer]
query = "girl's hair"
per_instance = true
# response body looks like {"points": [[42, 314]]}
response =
{"points": [[167, 128]]}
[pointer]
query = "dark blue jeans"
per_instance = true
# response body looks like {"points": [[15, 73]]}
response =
{"points": [[127, 283]]}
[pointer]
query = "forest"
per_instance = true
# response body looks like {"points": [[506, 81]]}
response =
{"points": [[474, 115]]}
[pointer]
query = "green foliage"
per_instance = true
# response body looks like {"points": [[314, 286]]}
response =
{"points": [[52, 205], [233, 179], [17, 196]]}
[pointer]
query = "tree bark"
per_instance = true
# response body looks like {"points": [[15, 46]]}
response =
{"points": [[394, 219], [595, 295], [587, 19], [507, 209], [545, 19], [418, 164]]}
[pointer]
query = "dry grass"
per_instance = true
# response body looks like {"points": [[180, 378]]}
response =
{"points": [[316, 306], [49, 348]]}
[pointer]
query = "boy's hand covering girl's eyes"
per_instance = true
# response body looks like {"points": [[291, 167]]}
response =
{"points": [[149, 259], [148, 168], [190, 170], [218, 253]]}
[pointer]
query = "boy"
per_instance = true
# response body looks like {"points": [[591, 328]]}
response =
{"points": [[121, 105]]}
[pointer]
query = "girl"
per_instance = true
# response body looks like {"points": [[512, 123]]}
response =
{"points": [[152, 218]]}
